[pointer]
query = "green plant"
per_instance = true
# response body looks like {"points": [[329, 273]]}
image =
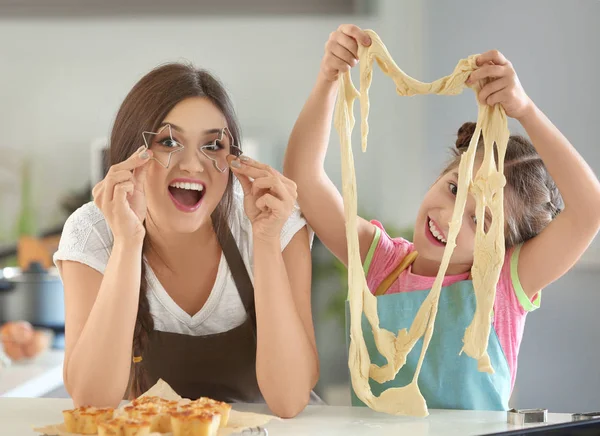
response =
{"points": [[26, 220], [331, 267]]}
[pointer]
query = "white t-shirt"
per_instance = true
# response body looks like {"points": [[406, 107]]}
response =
{"points": [[87, 238]]}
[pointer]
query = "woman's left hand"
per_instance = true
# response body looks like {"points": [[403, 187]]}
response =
{"points": [[502, 86], [269, 198]]}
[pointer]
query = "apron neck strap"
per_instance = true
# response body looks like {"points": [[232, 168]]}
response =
{"points": [[238, 271], [393, 276]]}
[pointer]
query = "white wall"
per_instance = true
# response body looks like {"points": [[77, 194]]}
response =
{"points": [[63, 80]]}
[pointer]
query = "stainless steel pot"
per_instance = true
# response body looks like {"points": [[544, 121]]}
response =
{"points": [[35, 295]]}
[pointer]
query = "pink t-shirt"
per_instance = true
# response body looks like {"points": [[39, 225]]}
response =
{"points": [[510, 306]]}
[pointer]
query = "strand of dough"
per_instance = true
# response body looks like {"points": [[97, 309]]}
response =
{"points": [[487, 187]]}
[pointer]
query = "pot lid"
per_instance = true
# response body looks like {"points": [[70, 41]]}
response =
{"points": [[34, 273]]}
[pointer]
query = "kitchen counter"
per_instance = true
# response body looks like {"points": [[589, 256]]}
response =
{"points": [[33, 378], [19, 415]]}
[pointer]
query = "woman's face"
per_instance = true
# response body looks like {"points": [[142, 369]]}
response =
{"points": [[182, 197]]}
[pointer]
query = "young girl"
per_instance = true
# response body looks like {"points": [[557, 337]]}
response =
{"points": [[180, 271], [543, 239]]}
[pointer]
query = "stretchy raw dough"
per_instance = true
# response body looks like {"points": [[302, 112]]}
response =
{"points": [[487, 187]]}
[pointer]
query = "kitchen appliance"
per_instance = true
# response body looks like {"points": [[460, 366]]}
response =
{"points": [[34, 294]]}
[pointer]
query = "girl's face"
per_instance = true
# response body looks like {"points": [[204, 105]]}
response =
{"points": [[433, 223], [182, 197]]}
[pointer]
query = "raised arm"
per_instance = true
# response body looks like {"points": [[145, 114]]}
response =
{"points": [[319, 199], [549, 255]]}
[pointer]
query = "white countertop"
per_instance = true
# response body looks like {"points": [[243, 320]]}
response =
{"points": [[19, 415], [33, 378]]}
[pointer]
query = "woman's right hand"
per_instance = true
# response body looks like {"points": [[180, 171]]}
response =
{"points": [[120, 196], [341, 51]]}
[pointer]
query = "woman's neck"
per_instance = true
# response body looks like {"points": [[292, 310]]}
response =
{"points": [[172, 247]]}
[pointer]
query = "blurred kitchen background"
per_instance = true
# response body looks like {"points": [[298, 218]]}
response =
{"points": [[67, 65]]}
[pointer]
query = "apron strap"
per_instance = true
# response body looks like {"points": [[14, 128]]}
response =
{"points": [[391, 278], [239, 272]]}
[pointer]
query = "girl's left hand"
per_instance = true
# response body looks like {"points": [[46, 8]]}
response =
{"points": [[269, 199], [502, 86]]}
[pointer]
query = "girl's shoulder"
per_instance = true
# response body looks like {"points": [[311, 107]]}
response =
{"points": [[509, 292], [386, 251]]}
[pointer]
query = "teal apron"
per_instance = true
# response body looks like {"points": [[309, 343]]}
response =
{"points": [[447, 380]]}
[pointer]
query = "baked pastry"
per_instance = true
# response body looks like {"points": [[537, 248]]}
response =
{"points": [[222, 408], [144, 415], [195, 423], [85, 420], [124, 426]]}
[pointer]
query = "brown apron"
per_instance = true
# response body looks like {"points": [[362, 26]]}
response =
{"points": [[221, 366]]}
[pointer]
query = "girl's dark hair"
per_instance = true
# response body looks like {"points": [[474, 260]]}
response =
{"points": [[532, 198], [143, 109]]}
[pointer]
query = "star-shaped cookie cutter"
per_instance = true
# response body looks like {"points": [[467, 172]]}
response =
{"points": [[205, 149], [233, 149], [180, 147]]}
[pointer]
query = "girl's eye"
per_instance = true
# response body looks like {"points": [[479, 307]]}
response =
{"points": [[474, 219], [169, 142], [453, 188]]}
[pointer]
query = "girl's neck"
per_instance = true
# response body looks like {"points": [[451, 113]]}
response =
{"points": [[429, 268]]}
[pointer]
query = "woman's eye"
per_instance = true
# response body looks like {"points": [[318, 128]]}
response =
{"points": [[168, 142], [474, 219], [213, 146]]}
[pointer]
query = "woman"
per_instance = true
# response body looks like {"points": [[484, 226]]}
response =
{"points": [[179, 270]]}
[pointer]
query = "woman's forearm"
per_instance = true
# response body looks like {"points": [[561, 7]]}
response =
{"points": [[97, 371], [286, 360]]}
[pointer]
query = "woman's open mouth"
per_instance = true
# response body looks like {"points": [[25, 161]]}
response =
{"points": [[434, 234], [187, 196]]}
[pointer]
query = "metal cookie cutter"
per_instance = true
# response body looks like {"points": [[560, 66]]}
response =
{"points": [[585, 416], [526, 416]]}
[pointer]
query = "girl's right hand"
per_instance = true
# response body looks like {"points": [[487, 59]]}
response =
{"points": [[120, 196], [341, 51]]}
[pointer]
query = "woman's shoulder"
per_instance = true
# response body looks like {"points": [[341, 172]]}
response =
{"points": [[85, 235], [84, 219]]}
